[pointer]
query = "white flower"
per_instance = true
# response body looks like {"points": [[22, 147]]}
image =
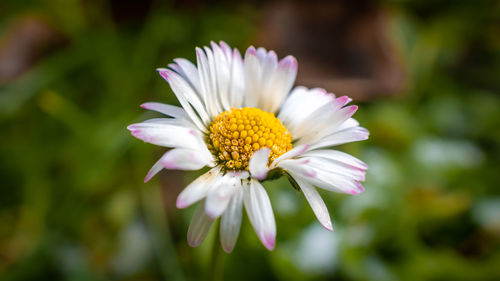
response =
{"points": [[239, 118]]}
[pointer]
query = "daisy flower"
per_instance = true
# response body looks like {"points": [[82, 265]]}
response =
{"points": [[240, 118]]}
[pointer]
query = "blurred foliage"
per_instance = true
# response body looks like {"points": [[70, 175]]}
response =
{"points": [[73, 205]]}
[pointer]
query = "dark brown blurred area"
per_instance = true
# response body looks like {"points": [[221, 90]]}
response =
{"points": [[342, 46], [27, 40]]}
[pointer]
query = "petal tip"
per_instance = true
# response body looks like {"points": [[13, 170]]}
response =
{"points": [[227, 249], [251, 51], [353, 108], [328, 225], [180, 203], [148, 177], [193, 243], [269, 241], [288, 62], [164, 73]]}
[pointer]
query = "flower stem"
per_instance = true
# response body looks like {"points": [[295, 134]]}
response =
{"points": [[216, 264]]}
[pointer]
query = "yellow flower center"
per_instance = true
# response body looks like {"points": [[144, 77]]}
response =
{"points": [[236, 134]]}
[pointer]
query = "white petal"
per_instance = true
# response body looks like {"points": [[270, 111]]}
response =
{"points": [[187, 98], [206, 70], [328, 180], [316, 203], [213, 79], [167, 135], [252, 72], [231, 221], [198, 189], [335, 167], [267, 82], [222, 75], [199, 227], [324, 121], [301, 103], [167, 109], [349, 123], [258, 163], [226, 49], [269, 64], [280, 83], [237, 87], [260, 213], [294, 152], [190, 73], [220, 194], [172, 121], [339, 156], [185, 159], [340, 137]]}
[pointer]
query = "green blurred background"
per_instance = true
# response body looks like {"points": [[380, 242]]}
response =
{"points": [[73, 205]]}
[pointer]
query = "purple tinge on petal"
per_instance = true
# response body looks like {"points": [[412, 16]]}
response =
{"points": [[175, 67], [224, 46], [136, 132], [360, 187], [359, 190], [308, 172], [236, 54], [150, 174], [168, 164], [341, 101], [200, 53], [351, 109], [272, 55], [321, 90], [311, 173], [269, 241], [163, 72], [354, 192], [288, 62], [181, 204], [251, 51]]}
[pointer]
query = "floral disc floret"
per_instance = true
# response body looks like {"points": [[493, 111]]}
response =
{"points": [[236, 134]]}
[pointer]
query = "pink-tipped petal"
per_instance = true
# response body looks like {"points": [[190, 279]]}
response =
{"points": [[260, 212], [269, 241], [341, 101], [316, 203], [251, 52], [163, 72], [289, 63]]}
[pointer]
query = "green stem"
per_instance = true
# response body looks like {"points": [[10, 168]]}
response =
{"points": [[216, 263]]}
